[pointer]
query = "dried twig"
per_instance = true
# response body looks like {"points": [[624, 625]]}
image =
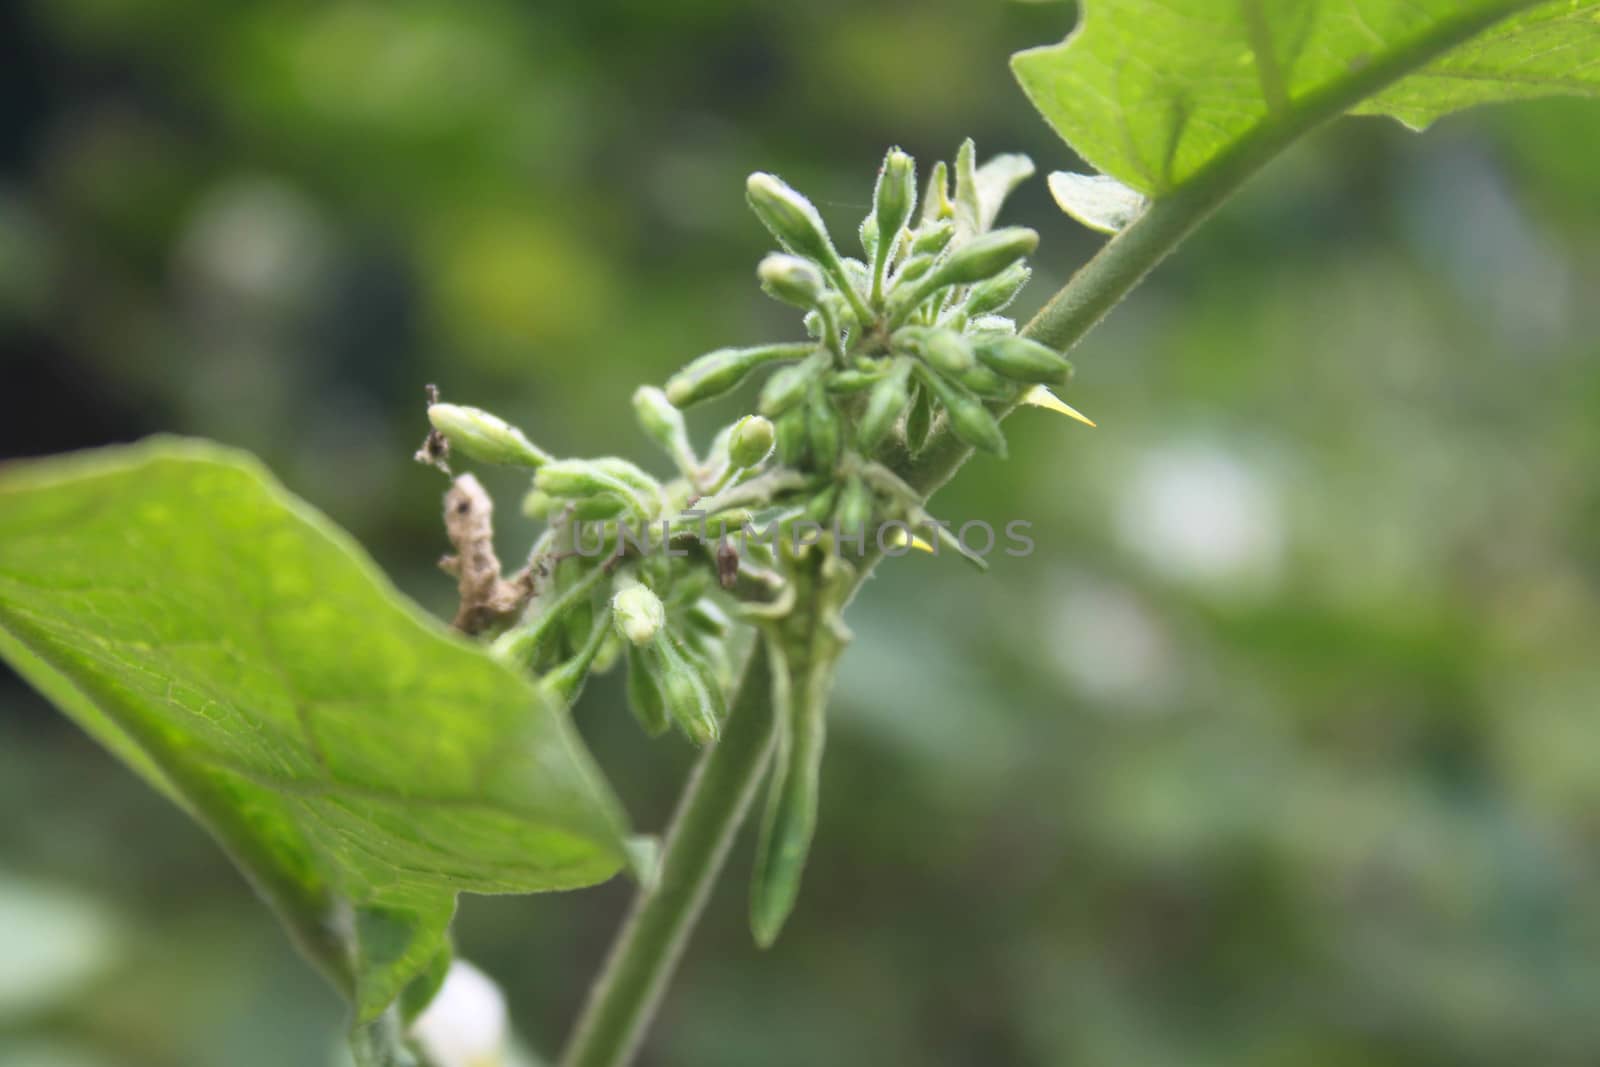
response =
{"points": [[487, 599]]}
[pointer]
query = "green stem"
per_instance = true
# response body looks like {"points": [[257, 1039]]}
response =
{"points": [[624, 997]]}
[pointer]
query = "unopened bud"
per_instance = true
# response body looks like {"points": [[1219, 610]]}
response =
{"points": [[888, 398], [855, 507], [853, 380], [999, 291], [919, 421], [629, 474], [986, 383], [708, 618], [895, 197], [792, 279], [638, 614], [599, 508], [537, 505], [573, 478], [932, 237], [1023, 360], [785, 389], [985, 256], [936, 204], [689, 689], [660, 419], [644, 695], [751, 441], [944, 350], [820, 506], [982, 324], [484, 437], [824, 430], [869, 235], [969, 419], [792, 438], [791, 218], [717, 372]]}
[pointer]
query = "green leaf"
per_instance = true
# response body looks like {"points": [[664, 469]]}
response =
{"points": [[1154, 92], [361, 763]]}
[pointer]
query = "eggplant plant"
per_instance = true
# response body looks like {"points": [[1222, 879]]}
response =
{"points": [[363, 763]]}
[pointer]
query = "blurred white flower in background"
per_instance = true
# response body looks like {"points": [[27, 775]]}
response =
{"points": [[1110, 645], [255, 246], [57, 942], [466, 1024], [1199, 513]]}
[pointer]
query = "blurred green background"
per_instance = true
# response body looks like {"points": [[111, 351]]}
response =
{"points": [[1280, 750]]}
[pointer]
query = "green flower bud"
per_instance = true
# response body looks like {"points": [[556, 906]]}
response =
{"points": [[855, 506], [644, 695], [996, 293], [889, 398], [895, 197], [949, 352], [628, 474], [638, 613], [932, 238], [986, 383], [851, 381], [869, 235], [969, 419], [537, 505], [916, 267], [824, 430], [576, 627], [944, 350], [487, 438], [718, 372], [919, 420], [820, 506], [710, 652], [751, 441], [984, 256], [857, 273], [598, 508], [936, 204], [707, 617], [969, 212], [790, 817], [688, 688], [573, 479], [661, 421], [792, 279], [793, 441], [606, 656], [789, 386], [1022, 360], [991, 324], [790, 217]]}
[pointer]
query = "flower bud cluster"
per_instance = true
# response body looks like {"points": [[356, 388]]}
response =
{"points": [[610, 581], [902, 343], [904, 340]]}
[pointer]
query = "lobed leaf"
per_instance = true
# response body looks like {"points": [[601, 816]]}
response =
{"points": [[361, 763], [1152, 92]]}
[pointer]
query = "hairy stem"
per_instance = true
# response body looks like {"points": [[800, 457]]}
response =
{"points": [[624, 996]]}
